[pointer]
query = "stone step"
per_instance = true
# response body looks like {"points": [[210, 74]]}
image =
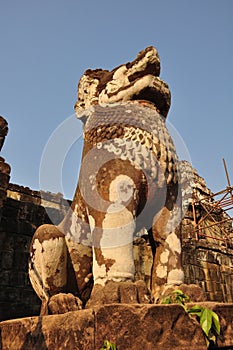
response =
{"points": [[133, 327]]}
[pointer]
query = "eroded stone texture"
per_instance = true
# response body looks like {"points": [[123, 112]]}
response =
{"points": [[22, 212], [68, 331], [136, 80], [148, 327], [3, 131], [128, 180], [120, 292], [4, 167], [128, 326], [207, 262], [207, 254], [4, 180], [62, 303]]}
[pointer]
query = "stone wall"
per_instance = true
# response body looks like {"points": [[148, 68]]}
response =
{"points": [[23, 210], [207, 247], [211, 268]]}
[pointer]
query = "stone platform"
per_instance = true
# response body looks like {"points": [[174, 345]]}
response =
{"points": [[133, 327]]}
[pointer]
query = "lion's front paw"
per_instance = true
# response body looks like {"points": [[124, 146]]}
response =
{"points": [[62, 303], [119, 292]]}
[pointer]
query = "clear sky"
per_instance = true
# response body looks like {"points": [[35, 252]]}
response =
{"points": [[47, 45]]}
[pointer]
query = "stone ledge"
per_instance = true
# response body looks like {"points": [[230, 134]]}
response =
{"points": [[131, 327]]}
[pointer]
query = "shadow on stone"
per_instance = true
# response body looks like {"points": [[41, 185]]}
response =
{"points": [[35, 338]]}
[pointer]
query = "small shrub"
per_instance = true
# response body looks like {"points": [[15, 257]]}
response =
{"points": [[177, 297], [207, 318]]}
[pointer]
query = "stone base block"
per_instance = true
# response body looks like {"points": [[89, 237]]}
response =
{"points": [[132, 327]]}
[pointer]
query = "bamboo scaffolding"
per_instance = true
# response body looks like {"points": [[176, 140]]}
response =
{"points": [[224, 204]]}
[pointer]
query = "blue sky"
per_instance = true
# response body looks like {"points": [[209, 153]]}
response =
{"points": [[47, 45]]}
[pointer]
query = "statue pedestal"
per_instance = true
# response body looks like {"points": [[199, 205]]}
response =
{"points": [[131, 326]]}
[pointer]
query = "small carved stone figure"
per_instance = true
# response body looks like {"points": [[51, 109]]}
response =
{"points": [[128, 181]]}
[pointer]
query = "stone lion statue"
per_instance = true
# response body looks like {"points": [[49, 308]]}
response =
{"points": [[128, 181]]}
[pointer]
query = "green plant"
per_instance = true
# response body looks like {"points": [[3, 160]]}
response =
{"points": [[207, 318], [177, 297], [108, 346]]}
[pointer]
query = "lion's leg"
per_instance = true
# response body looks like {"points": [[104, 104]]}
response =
{"points": [[48, 263], [81, 261], [113, 261], [113, 235], [166, 270], [78, 240]]}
